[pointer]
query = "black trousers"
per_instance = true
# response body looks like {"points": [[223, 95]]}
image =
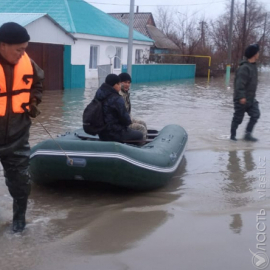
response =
{"points": [[252, 109], [16, 165], [129, 135]]}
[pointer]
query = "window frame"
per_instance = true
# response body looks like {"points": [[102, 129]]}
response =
{"points": [[140, 56], [117, 59], [91, 64]]}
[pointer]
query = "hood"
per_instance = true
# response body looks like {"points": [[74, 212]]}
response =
{"points": [[243, 62], [104, 91], [246, 62]]}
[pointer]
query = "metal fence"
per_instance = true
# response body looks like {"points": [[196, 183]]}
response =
{"points": [[103, 71], [161, 72]]}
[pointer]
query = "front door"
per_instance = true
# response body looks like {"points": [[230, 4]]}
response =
{"points": [[50, 58]]}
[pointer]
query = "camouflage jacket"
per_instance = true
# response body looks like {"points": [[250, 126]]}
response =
{"points": [[126, 97], [246, 80]]}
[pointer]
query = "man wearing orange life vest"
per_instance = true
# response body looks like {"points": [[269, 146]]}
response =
{"points": [[20, 93]]}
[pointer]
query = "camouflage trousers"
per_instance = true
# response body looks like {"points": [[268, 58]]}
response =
{"points": [[140, 126]]}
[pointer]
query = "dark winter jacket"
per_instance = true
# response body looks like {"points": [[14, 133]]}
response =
{"points": [[115, 113], [245, 83], [14, 126]]}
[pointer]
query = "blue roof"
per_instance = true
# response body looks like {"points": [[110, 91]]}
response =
{"points": [[22, 19], [75, 16], [26, 18]]}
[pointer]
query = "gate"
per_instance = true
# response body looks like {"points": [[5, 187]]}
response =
{"points": [[103, 71]]}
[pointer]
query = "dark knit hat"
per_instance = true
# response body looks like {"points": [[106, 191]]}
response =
{"points": [[251, 50], [13, 33], [124, 77], [112, 79]]}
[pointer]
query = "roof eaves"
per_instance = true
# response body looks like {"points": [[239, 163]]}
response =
{"points": [[145, 38], [20, 17], [141, 29], [37, 16], [161, 40], [58, 25]]}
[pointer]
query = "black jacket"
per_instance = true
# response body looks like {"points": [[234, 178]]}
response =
{"points": [[245, 83], [14, 126], [115, 113]]}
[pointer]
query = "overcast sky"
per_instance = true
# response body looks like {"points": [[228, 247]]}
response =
{"points": [[208, 8]]}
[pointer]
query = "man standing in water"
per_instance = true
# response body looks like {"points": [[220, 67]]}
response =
{"points": [[20, 92], [245, 86]]}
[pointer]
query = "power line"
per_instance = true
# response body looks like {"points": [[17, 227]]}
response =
{"points": [[198, 4], [196, 12]]}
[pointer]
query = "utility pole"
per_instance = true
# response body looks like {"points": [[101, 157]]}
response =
{"points": [[130, 37], [228, 67], [244, 30], [202, 34]]}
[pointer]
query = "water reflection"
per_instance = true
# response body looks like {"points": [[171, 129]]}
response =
{"points": [[239, 168], [239, 178], [109, 219], [236, 224], [239, 183], [86, 218]]}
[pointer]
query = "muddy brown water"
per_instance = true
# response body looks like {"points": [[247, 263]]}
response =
{"points": [[205, 218]]}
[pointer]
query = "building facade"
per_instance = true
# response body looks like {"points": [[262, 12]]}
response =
{"points": [[89, 32]]}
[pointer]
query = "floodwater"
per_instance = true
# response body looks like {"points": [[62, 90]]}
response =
{"points": [[205, 218]]}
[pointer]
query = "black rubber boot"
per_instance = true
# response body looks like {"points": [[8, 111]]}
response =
{"points": [[234, 127], [19, 209], [249, 137]]}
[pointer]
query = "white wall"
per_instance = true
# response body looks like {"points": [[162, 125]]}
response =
{"points": [[80, 54], [50, 33]]}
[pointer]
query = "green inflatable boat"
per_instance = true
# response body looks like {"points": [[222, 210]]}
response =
{"points": [[79, 156]]}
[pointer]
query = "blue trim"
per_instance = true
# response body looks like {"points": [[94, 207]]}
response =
{"points": [[67, 67], [78, 76], [74, 75]]}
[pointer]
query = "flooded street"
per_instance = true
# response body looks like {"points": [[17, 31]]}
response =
{"points": [[205, 218]]}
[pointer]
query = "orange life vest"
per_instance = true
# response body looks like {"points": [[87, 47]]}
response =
{"points": [[22, 82]]}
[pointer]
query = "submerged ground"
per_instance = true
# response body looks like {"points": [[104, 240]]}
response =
{"points": [[205, 218]]}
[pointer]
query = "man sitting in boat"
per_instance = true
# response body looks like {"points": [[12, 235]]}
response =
{"points": [[136, 124], [116, 116]]}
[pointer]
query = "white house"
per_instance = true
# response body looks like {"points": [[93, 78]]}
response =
{"points": [[73, 34]]}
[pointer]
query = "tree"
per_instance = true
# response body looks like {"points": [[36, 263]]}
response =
{"points": [[257, 30], [203, 37], [188, 32]]}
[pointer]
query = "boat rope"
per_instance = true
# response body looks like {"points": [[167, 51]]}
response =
{"points": [[70, 160]]}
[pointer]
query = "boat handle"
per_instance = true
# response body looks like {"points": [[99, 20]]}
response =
{"points": [[77, 162], [173, 156]]}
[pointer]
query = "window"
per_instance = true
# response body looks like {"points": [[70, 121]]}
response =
{"points": [[117, 58], [138, 56], [93, 57]]}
